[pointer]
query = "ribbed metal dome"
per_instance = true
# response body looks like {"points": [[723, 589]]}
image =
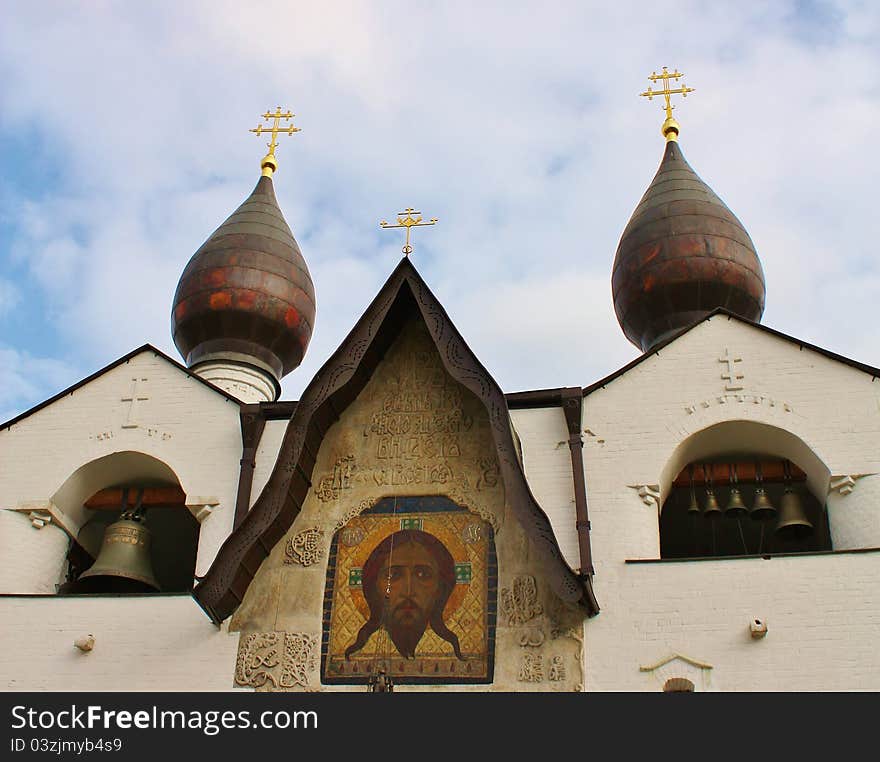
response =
{"points": [[682, 255], [246, 295]]}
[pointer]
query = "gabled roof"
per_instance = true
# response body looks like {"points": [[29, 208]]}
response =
{"points": [[329, 393], [869, 369], [111, 366]]}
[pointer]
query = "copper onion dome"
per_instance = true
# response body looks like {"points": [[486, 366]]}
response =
{"points": [[246, 295], [682, 255]]}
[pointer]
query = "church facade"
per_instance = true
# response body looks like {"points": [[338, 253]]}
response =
{"points": [[704, 519]]}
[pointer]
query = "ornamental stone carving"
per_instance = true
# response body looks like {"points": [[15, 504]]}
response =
{"points": [[305, 548], [490, 472], [557, 669], [299, 659], [258, 658], [282, 659], [531, 669], [339, 480], [532, 637], [520, 604]]}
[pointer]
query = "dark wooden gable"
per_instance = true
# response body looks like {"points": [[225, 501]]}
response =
{"points": [[330, 392]]}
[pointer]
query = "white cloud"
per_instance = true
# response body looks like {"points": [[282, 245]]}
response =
{"points": [[517, 124], [26, 379]]}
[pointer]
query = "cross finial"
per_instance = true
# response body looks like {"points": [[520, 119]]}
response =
{"points": [[670, 127], [269, 164], [409, 218]]}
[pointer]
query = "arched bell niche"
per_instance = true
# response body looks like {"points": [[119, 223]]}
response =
{"points": [[743, 488], [102, 493]]}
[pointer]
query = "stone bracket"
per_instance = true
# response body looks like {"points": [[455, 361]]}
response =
{"points": [[201, 507], [844, 483], [649, 493], [41, 513]]}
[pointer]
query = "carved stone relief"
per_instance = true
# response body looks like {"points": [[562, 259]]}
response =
{"points": [[730, 374], [531, 668], [306, 547], [332, 485], [520, 604], [557, 669], [532, 637], [489, 473], [134, 396], [283, 659]]}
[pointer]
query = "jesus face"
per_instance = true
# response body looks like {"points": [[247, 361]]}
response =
{"points": [[411, 585]]}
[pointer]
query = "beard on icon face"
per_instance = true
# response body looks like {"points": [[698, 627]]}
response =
{"points": [[408, 624]]}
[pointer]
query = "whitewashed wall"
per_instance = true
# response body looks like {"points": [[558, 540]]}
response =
{"points": [[59, 456], [819, 609], [267, 454], [150, 643]]}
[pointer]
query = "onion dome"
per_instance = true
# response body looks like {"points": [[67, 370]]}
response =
{"points": [[246, 297], [682, 255]]}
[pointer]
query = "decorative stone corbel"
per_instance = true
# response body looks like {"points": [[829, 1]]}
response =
{"points": [[201, 507], [39, 519], [41, 513], [843, 484], [649, 493]]}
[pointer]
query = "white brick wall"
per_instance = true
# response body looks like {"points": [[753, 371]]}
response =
{"points": [[547, 462], [822, 614], [267, 454], [185, 425], [162, 643], [822, 610]]}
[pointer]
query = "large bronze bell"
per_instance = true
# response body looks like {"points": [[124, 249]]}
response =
{"points": [[736, 508], [793, 523], [762, 509], [123, 563]]}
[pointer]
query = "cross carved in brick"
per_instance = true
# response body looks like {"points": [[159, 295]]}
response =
{"points": [[133, 398], [731, 376]]}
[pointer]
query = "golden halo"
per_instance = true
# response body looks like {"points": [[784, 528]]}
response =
{"points": [[446, 527]]}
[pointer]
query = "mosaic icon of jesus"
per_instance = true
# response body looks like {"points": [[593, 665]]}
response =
{"points": [[407, 581]]}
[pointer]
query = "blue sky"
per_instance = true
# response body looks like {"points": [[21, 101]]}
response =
{"points": [[124, 142]]}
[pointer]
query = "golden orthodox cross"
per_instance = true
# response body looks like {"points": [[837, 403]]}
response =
{"points": [[409, 218], [670, 126], [269, 164]]}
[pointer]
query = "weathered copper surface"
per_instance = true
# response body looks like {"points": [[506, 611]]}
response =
{"points": [[332, 389], [246, 294], [683, 254]]}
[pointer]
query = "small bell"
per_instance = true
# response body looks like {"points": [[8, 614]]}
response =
{"points": [[762, 509], [736, 508], [712, 509]]}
